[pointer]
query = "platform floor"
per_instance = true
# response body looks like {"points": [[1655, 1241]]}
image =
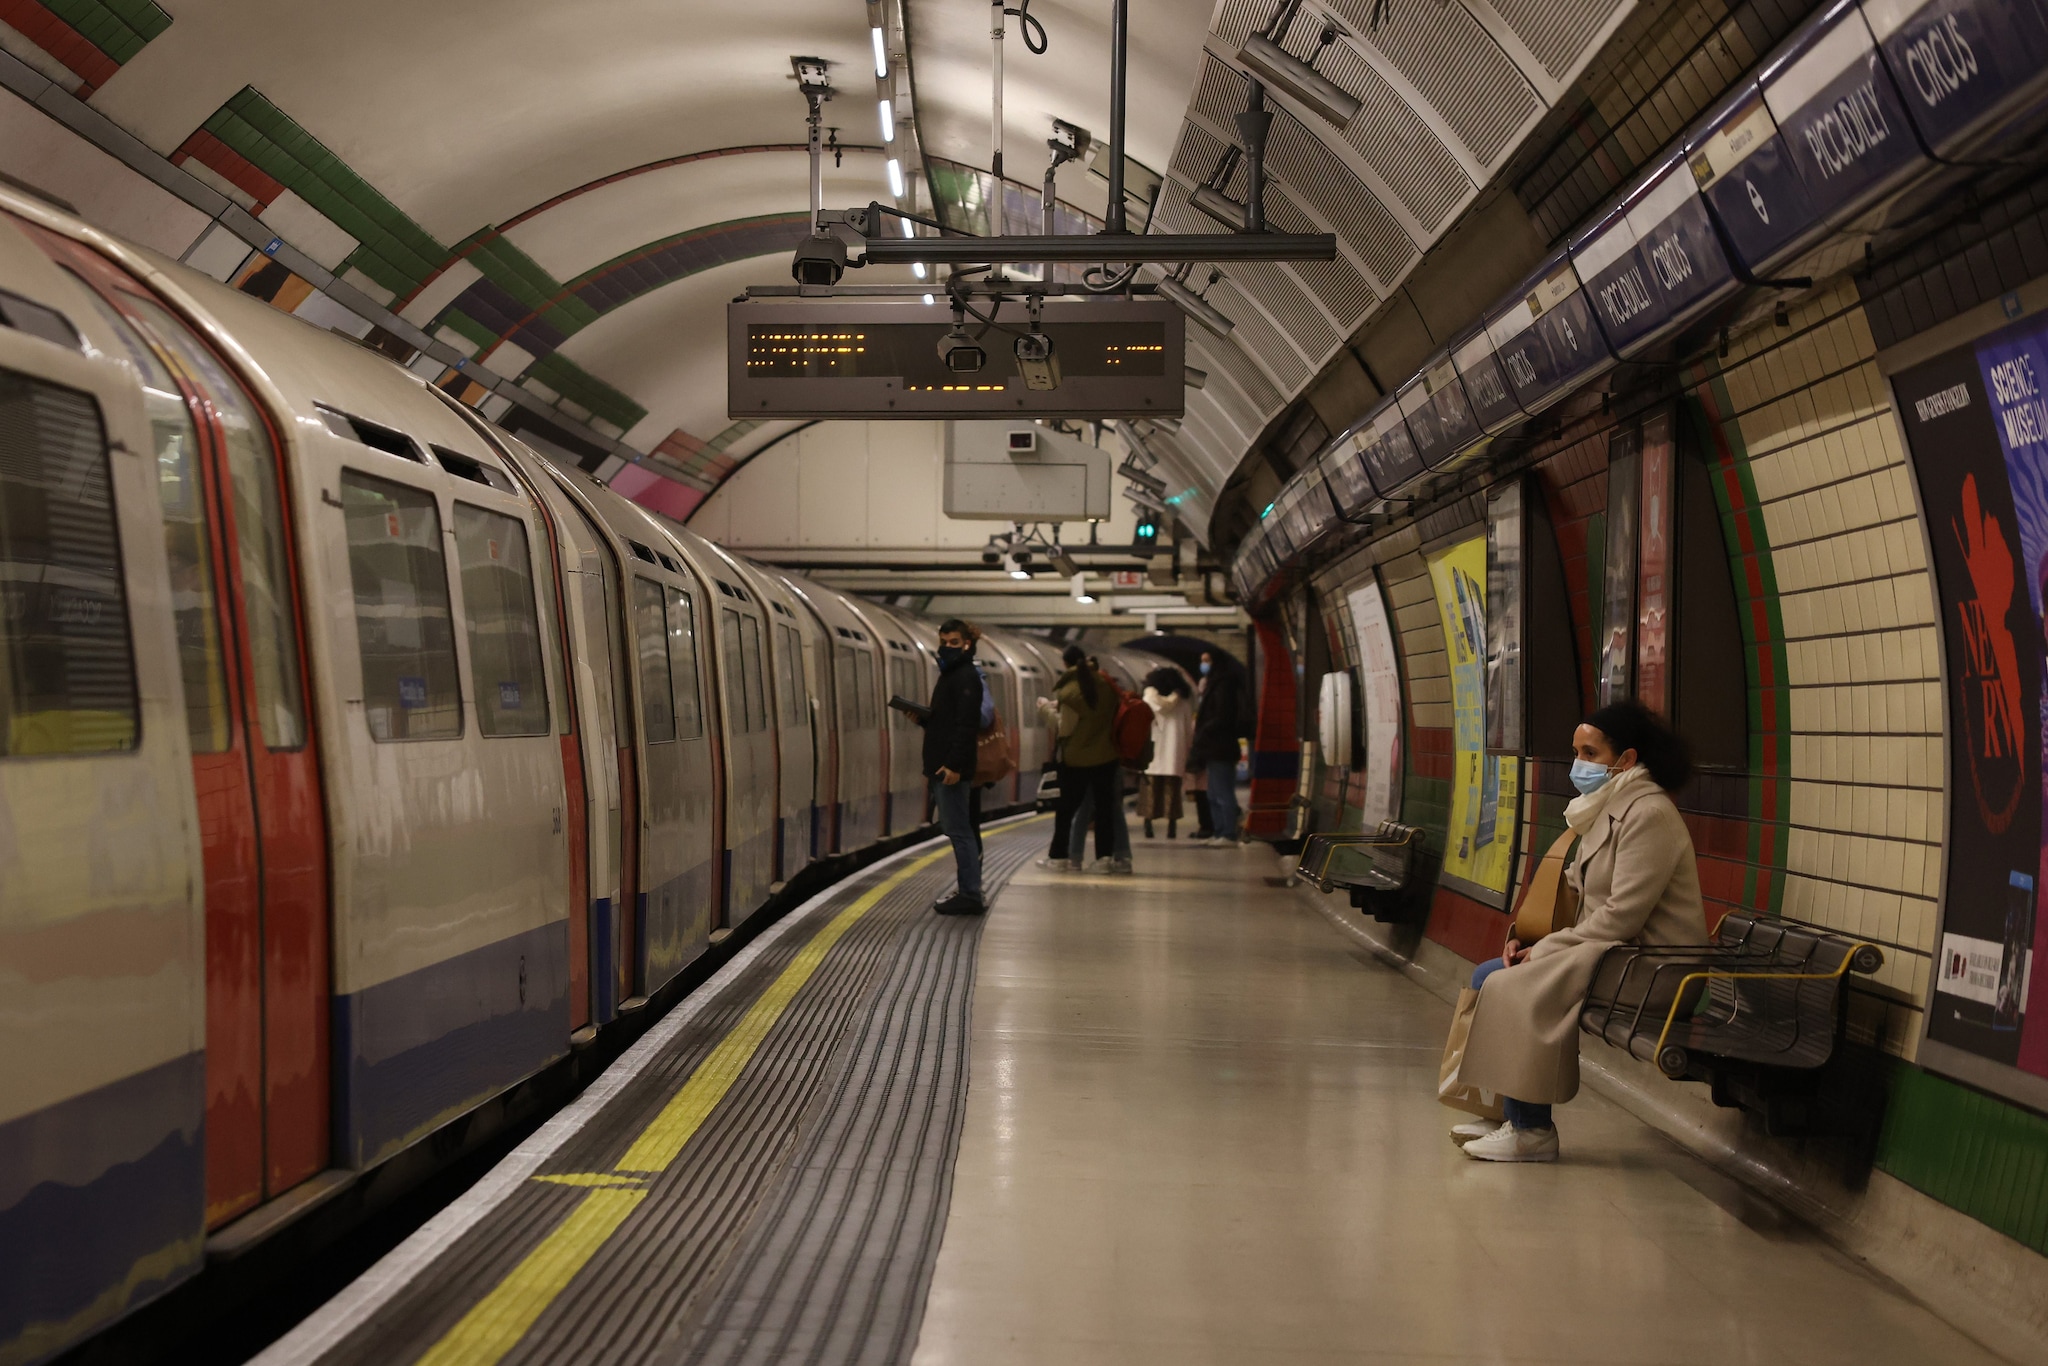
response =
{"points": [[1201, 1129], [1171, 1118]]}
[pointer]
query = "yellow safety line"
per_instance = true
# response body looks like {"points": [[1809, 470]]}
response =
{"points": [[496, 1323]]}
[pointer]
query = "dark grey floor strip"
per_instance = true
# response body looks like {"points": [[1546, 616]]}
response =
{"points": [[837, 1264]]}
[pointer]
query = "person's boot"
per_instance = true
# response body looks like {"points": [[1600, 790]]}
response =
{"points": [[1171, 832], [960, 904], [1148, 830]]}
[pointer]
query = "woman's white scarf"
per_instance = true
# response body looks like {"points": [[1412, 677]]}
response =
{"points": [[1585, 811]]}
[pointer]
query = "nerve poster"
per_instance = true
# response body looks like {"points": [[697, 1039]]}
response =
{"points": [[1977, 421], [1479, 845]]}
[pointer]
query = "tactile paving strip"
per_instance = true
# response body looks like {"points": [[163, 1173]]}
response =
{"points": [[608, 1248], [836, 1266]]}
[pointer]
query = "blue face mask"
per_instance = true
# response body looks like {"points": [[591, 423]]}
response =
{"points": [[1205, 668], [1589, 777]]}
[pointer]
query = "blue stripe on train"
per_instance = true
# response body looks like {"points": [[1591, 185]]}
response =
{"points": [[420, 1049], [102, 1205]]}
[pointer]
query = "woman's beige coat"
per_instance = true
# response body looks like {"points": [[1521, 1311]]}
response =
{"points": [[1638, 883]]}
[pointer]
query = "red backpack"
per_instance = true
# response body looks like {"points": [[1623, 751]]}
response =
{"points": [[1133, 731]]}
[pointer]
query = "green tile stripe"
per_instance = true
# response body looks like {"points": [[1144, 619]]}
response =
{"points": [[519, 275], [1765, 659], [1971, 1152], [472, 331], [581, 387], [395, 251], [119, 28]]}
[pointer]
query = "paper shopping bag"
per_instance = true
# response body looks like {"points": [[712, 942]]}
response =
{"points": [[1449, 1090]]}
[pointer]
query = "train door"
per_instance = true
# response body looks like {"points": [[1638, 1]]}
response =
{"points": [[791, 718], [255, 762], [591, 605], [749, 749], [814, 638]]}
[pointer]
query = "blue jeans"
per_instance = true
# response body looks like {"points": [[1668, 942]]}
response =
{"points": [[1521, 1114], [1223, 797], [956, 818], [1120, 830]]}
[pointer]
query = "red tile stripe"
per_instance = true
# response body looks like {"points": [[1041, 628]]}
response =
{"points": [[210, 152], [61, 41]]}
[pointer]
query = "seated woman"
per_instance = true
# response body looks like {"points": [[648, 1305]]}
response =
{"points": [[1637, 884]]}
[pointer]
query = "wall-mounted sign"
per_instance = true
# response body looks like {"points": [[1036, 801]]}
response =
{"points": [[1379, 681], [1840, 115], [1545, 338], [1492, 403], [1748, 179], [1976, 419], [1389, 452], [1650, 262], [1960, 64]]}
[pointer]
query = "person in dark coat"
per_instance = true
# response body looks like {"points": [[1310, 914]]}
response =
{"points": [[1219, 725], [950, 733]]}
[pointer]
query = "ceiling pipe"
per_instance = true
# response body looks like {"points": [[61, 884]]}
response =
{"points": [[995, 34], [1119, 53]]}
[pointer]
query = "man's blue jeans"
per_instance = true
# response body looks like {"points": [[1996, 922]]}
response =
{"points": [[1519, 1113], [956, 818], [1223, 797]]}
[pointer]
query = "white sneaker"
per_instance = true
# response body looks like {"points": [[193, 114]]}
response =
{"points": [[1220, 842], [1056, 865], [1103, 865], [1461, 1134], [1509, 1144], [1121, 867]]}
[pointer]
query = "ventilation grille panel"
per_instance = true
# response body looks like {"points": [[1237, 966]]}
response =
{"points": [[1395, 142], [1259, 337], [1451, 59], [1284, 299], [1346, 293], [1315, 173], [1237, 20], [1557, 31]]}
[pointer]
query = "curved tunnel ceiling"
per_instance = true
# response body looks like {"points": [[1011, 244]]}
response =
{"points": [[568, 194]]}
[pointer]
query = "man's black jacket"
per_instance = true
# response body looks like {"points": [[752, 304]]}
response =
{"points": [[1219, 718], [951, 730]]}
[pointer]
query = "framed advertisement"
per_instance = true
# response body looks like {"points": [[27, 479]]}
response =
{"points": [[1617, 641], [1507, 568], [1479, 843], [1379, 685], [1976, 423], [1654, 466]]}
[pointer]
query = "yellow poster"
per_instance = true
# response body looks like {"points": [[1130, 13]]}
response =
{"points": [[1479, 845]]}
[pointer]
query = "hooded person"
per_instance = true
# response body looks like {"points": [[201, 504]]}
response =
{"points": [[1219, 725], [951, 732]]}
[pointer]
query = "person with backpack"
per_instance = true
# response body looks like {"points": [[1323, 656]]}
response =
{"points": [[1090, 768], [1219, 725]]}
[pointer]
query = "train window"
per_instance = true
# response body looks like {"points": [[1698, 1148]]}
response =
{"points": [[650, 635], [67, 674], [25, 315], [364, 432], [264, 560], [735, 671], [505, 670], [757, 675], [474, 470], [641, 552], [789, 672], [843, 659], [188, 542], [405, 632], [682, 659]]}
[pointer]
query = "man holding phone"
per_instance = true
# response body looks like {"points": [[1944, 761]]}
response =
{"points": [[951, 728]]}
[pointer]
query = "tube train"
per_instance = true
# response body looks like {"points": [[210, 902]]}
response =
{"points": [[356, 761]]}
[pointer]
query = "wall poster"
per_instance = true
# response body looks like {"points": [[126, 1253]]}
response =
{"points": [[1653, 564], [1976, 419], [1379, 680], [1479, 846], [1507, 706]]}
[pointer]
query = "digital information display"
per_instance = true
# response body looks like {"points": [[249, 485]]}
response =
{"points": [[866, 358]]}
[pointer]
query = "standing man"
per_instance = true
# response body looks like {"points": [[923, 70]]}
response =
{"points": [[1218, 727], [950, 732]]}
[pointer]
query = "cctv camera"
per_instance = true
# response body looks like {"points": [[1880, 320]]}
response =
{"points": [[961, 353], [1037, 363]]}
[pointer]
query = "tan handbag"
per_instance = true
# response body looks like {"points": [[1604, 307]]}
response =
{"points": [[1449, 1090], [1549, 902], [992, 762]]}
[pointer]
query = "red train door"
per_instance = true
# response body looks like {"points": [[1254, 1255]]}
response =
{"points": [[255, 764]]}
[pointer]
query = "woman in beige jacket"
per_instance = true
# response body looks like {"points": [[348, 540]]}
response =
{"points": [[1637, 884]]}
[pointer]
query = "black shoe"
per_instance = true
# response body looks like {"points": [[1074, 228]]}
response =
{"points": [[1148, 830], [960, 904]]}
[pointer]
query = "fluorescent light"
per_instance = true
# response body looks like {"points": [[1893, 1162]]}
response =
{"points": [[917, 268], [909, 228], [881, 53], [1020, 573], [895, 177], [927, 298], [888, 122]]}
